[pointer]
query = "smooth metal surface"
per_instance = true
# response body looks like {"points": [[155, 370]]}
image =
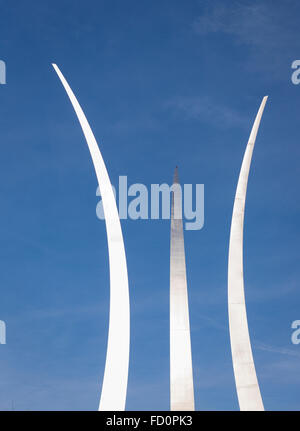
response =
{"points": [[181, 372], [114, 388], [244, 370]]}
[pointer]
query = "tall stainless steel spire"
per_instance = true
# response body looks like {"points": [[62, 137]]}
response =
{"points": [[114, 388], [181, 371], [244, 370]]}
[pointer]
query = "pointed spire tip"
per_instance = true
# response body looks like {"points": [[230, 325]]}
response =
{"points": [[176, 177]]}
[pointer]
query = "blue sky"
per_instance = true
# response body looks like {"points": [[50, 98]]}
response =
{"points": [[163, 83]]}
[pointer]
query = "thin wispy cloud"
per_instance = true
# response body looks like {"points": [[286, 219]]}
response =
{"points": [[79, 311], [274, 349], [207, 111], [266, 29], [252, 24], [134, 125], [271, 292]]}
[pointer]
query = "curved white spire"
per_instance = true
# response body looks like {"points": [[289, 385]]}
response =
{"points": [[244, 370], [181, 369], [114, 388]]}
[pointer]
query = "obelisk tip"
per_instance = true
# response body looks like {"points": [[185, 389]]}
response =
{"points": [[176, 177]]}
